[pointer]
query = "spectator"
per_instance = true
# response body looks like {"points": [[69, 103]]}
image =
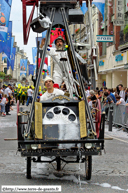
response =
{"points": [[87, 91], [93, 97], [126, 95], [8, 93], [122, 92], [114, 91], [105, 89], [89, 101], [3, 89], [3, 103], [112, 95], [98, 96], [29, 93], [120, 101], [102, 96], [117, 90], [7, 107], [109, 98]]}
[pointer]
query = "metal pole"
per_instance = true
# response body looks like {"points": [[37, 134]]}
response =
{"points": [[40, 72], [92, 38], [77, 68], [110, 118]]}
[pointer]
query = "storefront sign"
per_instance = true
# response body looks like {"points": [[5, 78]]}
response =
{"points": [[118, 58], [101, 63], [104, 38], [119, 21]]}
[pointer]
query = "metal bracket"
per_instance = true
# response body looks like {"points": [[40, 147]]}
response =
{"points": [[26, 24]]}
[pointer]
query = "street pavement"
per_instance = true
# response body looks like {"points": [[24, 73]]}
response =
{"points": [[109, 173]]}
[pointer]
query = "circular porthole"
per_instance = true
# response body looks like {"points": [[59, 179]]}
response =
{"points": [[65, 111], [72, 117], [50, 115], [57, 110]]}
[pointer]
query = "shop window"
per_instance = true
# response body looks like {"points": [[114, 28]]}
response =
{"points": [[5, 70], [5, 60]]}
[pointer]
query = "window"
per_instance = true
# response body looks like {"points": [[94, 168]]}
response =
{"points": [[5, 70]]}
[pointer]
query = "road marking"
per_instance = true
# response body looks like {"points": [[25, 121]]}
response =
{"points": [[117, 138]]}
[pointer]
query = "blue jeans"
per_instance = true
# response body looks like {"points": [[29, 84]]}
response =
{"points": [[2, 108], [29, 98]]}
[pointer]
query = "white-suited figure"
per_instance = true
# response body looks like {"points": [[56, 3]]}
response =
{"points": [[60, 70]]}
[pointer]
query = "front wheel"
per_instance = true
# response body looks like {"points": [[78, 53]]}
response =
{"points": [[88, 167]]}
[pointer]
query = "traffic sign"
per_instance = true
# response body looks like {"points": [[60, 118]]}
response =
{"points": [[104, 38]]}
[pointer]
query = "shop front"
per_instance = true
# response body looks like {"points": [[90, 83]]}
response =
{"points": [[113, 69]]}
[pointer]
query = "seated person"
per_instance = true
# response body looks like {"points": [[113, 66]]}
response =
{"points": [[51, 91]]}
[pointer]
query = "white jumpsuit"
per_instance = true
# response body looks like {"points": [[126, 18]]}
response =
{"points": [[61, 70]]}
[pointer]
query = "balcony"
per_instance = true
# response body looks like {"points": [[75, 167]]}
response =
{"points": [[123, 45]]}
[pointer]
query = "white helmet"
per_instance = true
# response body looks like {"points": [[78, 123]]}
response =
{"points": [[48, 78]]}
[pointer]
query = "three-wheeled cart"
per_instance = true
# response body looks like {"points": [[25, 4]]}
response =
{"points": [[61, 126]]}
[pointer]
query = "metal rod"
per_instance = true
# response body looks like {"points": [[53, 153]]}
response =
{"points": [[77, 68], [92, 39], [40, 72], [61, 141]]}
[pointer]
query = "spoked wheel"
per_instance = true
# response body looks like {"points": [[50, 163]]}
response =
{"points": [[28, 173], [98, 117], [58, 161], [88, 167]]}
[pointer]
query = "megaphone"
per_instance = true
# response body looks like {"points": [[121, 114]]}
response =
{"points": [[81, 47]]}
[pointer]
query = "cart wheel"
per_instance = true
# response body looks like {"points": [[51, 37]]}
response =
{"points": [[58, 161], [88, 167], [28, 174]]}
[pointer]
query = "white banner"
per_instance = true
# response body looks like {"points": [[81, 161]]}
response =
{"points": [[126, 5], [119, 21]]}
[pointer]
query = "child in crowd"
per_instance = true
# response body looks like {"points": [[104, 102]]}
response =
{"points": [[3, 103]]}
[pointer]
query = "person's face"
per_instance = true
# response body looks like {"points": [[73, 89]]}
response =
{"points": [[101, 93], [59, 44], [120, 87], [49, 84]]}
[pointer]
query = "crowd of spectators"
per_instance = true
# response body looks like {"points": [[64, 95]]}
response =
{"points": [[6, 99], [118, 95]]}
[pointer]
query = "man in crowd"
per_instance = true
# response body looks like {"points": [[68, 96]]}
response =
{"points": [[51, 91], [8, 93], [111, 95], [122, 92], [29, 93]]}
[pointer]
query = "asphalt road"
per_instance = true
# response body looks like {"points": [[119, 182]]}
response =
{"points": [[110, 171]]}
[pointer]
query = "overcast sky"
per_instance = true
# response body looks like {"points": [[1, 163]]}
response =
{"points": [[17, 29]]}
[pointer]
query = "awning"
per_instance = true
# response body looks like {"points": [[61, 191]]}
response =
{"points": [[107, 70]]}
